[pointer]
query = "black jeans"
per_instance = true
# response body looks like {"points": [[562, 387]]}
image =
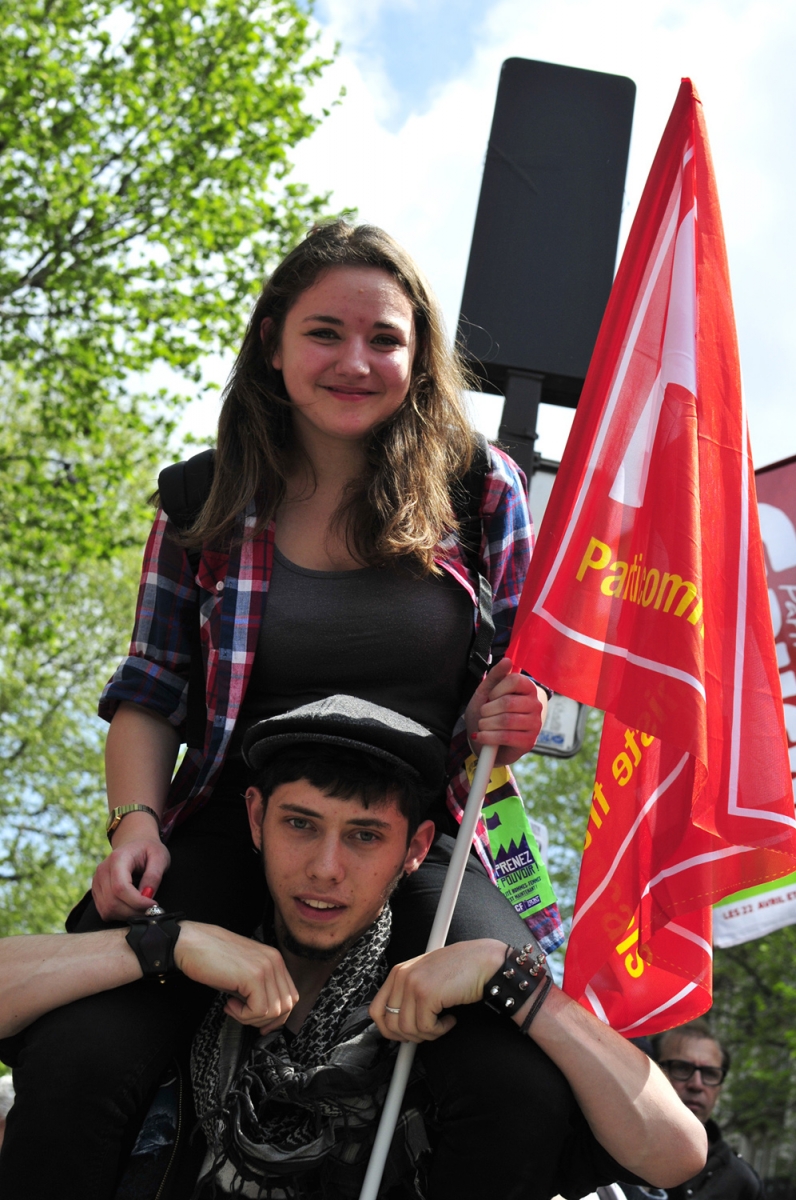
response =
{"points": [[85, 1073]]}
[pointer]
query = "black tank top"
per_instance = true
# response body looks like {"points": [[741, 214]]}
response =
{"points": [[382, 634]]}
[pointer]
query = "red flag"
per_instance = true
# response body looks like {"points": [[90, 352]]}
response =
{"points": [[647, 598]]}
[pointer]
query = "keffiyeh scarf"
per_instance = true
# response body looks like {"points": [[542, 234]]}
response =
{"points": [[294, 1118]]}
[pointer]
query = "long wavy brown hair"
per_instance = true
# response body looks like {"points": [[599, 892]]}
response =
{"points": [[400, 506]]}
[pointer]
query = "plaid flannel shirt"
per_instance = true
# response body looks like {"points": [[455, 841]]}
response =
{"points": [[231, 587]]}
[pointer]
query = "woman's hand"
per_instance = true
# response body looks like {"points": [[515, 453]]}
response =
{"points": [[140, 754], [506, 710], [262, 991], [422, 987], [137, 850]]}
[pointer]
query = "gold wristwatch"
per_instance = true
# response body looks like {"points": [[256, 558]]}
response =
{"points": [[116, 815]]}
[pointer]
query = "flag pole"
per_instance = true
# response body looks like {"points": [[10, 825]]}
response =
{"points": [[439, 932]]}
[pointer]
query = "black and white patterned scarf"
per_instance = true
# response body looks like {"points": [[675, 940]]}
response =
{"points": [[289, 1119]]}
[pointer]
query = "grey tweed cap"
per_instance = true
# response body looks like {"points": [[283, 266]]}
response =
{"points": [[357, 724]]}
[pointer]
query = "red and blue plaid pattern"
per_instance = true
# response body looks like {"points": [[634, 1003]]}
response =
{"points": [[231, 589]]}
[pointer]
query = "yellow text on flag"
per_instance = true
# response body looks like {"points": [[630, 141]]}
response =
{"points": [[640, 584], [622, 769]]}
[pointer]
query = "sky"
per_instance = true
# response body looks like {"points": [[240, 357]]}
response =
{"points": [[405, 145]]}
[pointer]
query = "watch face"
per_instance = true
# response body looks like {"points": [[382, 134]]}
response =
{"points": [[116, 816], [114, 819]]}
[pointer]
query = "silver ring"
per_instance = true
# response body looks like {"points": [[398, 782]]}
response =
{"points": [[392, 1010]]}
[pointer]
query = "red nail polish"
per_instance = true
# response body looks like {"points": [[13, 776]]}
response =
{"points": [[148, 892]]}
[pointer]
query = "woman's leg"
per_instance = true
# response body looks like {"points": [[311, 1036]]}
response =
{"points": [[85, 1073], [505, 1109]]}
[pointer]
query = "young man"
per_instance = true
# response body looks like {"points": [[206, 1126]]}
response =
{"points": [[696, 1065], [288, 1076]]}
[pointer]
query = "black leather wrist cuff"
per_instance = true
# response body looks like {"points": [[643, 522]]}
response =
{"points": [[517, 979], [152, 939]]}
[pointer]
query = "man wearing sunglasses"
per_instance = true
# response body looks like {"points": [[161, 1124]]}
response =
{"points": [[696, 1064]]}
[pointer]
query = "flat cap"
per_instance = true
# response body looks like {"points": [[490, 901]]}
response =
{"points": [[356, 724]]}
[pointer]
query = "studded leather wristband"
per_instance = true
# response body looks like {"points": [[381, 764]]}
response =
{"points": [[152, 938], [519, 977]]}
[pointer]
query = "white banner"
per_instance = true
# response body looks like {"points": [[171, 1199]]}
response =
{"points": [[755, 912]]}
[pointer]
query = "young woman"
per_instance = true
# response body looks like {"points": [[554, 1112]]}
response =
{"points": [[329, 562]]}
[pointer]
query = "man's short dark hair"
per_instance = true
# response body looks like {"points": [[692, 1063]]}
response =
{"points": [[692, 1029], [346, 774]]}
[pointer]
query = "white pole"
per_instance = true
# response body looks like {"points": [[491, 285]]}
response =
{"points": [[439, 932]]}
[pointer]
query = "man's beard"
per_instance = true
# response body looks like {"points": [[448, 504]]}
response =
{"points": [[288, 941], [322, 954]]}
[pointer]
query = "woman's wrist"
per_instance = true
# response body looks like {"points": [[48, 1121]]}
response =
{"points": [[136, 827]]}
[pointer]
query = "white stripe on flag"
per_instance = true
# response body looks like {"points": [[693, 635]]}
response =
{"points": [[682, 374], [613, 399], [678, 365], [691, 937], [697, 861], [622, 652], [631, 833], [686, 991], [599, 1011]]}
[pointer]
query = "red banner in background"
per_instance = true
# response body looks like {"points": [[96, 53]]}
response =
{"points": [[753, 913], [776, 497], [647, 598]]}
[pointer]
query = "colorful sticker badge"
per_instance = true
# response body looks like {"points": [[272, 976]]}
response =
{"points": [[521, 874]]}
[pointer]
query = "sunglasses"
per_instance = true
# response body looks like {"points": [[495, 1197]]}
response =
{"points": [[677, 1068]]}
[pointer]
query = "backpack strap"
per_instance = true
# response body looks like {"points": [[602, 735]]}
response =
{"points": [[466, 495], [184, 488]]}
